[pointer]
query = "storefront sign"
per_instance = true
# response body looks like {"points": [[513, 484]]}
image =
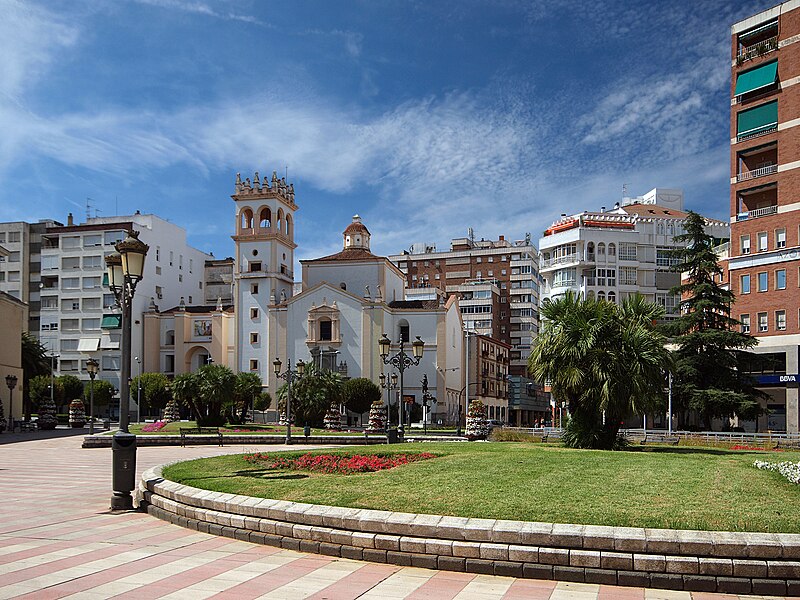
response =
{"points": [[778, 379]]}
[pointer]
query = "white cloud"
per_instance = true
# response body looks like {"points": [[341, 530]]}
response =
{"points": [[205, 9]]}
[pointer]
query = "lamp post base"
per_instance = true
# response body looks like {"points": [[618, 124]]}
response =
{"points": [[122, 501]]}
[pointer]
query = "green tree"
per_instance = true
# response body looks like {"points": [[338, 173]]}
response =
{"points": [[606, 361], [263, 401], [72, 386], [246, 390], [35, 362], [359, 393], [103, 394], [185, 389], [39, 388], [155, 390], [215, 383], [312, 395], [707, 376]]}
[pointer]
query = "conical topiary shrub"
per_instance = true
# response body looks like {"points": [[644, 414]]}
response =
{"points": [[377, 417], [333, 419], [477, 427], [77, 413], [171, 411], [47, 414], [2, 419]]}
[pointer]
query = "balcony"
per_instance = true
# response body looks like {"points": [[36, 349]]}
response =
{"points": [[756, 173], [756, 49], [756, 213]]}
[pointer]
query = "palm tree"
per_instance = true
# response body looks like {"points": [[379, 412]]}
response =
{"points": [[34, 362], [245, 391], [606, 361], [215, 384], [185, 390]]}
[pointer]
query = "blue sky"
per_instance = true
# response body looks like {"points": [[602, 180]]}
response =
{"points": [[425, 118]]}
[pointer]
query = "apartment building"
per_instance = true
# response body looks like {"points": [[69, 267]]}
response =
{"points": [[20, 270], [79, 318], [219, 281], [497, 282], [764, 254], [611, 254], [488, 374]]}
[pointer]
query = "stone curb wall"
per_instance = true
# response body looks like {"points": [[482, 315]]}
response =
{"points": [[740, 563]]}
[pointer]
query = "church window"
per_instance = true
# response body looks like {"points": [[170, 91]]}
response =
{"points": [[325, 330]]}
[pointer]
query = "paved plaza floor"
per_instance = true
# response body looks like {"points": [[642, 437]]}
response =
{"points": [[58, 539]]}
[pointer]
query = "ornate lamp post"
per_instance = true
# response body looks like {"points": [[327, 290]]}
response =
{"points": [[125, 270], [11, 382], [92, 367], [391, 385], [401, 361], [288, 375]]}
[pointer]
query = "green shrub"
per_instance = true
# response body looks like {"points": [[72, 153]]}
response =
{"points": [[510, 435]]}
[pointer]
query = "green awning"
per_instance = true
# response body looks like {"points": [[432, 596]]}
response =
{"points": [[757, 119], [111, 322], [105, 279], [755, 79]]}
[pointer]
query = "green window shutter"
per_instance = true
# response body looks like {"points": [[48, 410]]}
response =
{"points": [[758, 119], [755, 79], [111, 322], [105, 279]]}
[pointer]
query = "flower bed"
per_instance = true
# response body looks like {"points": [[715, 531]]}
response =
{"points": [[788, 469], [336, 464], [757, 448], [157, 426]]}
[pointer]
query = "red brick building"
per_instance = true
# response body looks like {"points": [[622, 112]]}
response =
{"points": [[764, 257]]}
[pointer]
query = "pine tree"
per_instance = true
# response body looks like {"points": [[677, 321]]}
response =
{"points": [[2, 419], [477, 427], [707, 377], [47, 413], [77, 413], [377, 417], [172, 412]]}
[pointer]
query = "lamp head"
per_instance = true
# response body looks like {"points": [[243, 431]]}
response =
{"points": [[384, 344], [114, 270], [11, 381], [418, 347], [394, 379], [301, 367], [133, 252], [276, 366], [92, 367], [382, 378]]}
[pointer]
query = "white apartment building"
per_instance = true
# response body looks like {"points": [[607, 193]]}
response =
{"points": [[612, 254], [79, 318]]}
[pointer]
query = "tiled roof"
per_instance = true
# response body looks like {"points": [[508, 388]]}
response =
{"points": [[356, 227], [414, 304], [347, 254]]}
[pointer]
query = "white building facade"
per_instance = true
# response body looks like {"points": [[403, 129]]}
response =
{"points": [[613, 254], [79, 318]]}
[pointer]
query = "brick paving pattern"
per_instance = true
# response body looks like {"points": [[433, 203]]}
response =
{"points": [[59, 540]]}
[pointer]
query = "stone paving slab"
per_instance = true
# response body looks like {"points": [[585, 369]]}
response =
{"points": [[54, 515]]}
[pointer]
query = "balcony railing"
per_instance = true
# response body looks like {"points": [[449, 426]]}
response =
{"points": [[758, 49], [755, 173], [560, 260], [757, 212]]}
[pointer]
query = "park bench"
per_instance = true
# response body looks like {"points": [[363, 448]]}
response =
{"points": [[659, 438], [184, 431]]}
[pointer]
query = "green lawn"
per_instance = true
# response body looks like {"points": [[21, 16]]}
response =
{"points": [[696, 488]]}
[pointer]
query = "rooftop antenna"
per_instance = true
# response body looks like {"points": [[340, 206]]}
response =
{"points": [[89, 208], [116, 206], [286, 172], [624, 190]]}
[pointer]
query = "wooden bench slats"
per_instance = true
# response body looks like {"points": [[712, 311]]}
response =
{"points": [[184, 431]]}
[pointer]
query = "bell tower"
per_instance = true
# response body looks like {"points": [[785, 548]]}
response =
{"points": [[264, 261]]}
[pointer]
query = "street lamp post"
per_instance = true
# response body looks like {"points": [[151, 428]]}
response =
{"points": [[92, 367], [138, 389], [401, 361], [388, 386], [288, 375], [11, 382], [125, 269]]}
